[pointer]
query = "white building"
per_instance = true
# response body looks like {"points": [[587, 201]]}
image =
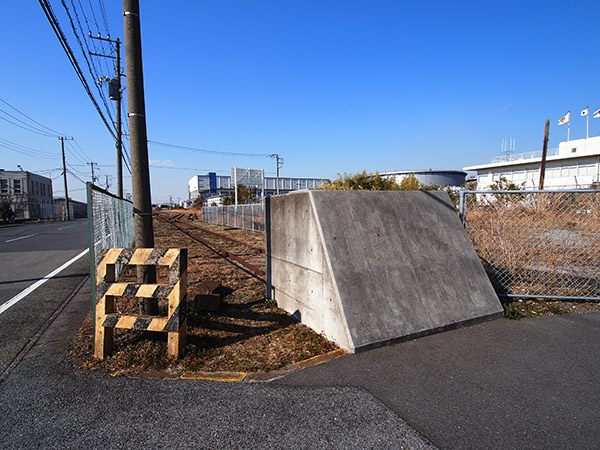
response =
{"points": [[30, 194], [573, 165]]}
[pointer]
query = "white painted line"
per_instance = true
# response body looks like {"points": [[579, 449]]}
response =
{"points": [[22, 237], [38, 283], [64, 228]]}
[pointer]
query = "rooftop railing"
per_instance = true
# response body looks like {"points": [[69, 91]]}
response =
{"points": [[527, 155]]}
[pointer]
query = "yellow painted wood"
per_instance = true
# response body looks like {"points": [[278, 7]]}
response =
{"points": [[169, 258]]}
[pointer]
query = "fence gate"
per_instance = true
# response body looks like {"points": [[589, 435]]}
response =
{"points": [[537, 243]]}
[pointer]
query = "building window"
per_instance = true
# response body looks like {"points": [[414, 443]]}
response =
{"points": [[573, 150], [3, 186], [17, 186]]}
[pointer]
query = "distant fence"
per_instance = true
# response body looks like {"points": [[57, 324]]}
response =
{"points": [[248, 217], [537, 243], [110, 222]]}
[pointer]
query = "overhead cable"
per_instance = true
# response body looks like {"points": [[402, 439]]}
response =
{"points": [[65, 45], [211, 152]]}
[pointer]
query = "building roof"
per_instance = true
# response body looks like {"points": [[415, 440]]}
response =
{"points": [[584, 148]]}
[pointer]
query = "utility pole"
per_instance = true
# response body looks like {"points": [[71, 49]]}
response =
{"points": [[279, 164], [115, 93], [91, 164], [140, 170], [62, 140], [544, 151]]}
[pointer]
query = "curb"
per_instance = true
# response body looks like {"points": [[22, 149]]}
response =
{"points": [[263, 377], [242, 377]]}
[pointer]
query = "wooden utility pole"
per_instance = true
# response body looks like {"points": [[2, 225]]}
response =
{"points": [[140, 170], [62, 140], [544, 151]]}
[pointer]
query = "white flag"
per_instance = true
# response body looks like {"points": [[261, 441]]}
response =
{"points": [[585, 112], [565, 119], [596, 114]]}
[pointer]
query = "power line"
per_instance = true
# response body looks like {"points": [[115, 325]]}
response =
{"points": [[65, 45], [43, 133], [211, 152], [87, 158], [90, 62], [55, 133], [32, 152]]}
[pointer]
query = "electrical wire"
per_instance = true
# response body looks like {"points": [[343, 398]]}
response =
{"points": [[211, 152], [70, 55], [42, 133], [31, 152], [84, 43], [55, 133]]}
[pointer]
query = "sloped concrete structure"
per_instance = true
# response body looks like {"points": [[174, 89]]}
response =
{"points": [[370, 267]]}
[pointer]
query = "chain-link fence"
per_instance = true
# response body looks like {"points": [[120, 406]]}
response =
{"points": [[248, 217], [110, 221], [537, 243]]}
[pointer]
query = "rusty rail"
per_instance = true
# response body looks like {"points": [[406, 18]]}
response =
{"points": [[217, 249]]}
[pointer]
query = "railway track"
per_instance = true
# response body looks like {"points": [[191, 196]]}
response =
{"points": [[195, 232]]}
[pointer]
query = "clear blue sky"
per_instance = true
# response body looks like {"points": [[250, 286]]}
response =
{"points": [[332, 86]]}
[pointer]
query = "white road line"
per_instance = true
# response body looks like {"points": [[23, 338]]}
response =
{"points": [[64, 228], [38, 283], [22, 237]]}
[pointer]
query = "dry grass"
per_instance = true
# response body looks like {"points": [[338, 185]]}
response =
{"points": [[246, 334], [547, 244]]}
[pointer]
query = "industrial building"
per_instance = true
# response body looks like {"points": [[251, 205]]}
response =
{"points": [[30, 194], [574, 164], [214, 186]]}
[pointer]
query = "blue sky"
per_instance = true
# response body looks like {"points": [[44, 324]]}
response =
{"points": [[332, 86]]}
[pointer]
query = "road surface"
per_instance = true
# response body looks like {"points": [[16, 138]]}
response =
{"points": [[28, 295]]}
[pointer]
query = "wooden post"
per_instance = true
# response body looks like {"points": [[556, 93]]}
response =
{"points": [[544, 151]]}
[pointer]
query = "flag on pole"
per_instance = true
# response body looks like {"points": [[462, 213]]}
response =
{"points": [[596, 114], [565, 119], [585, 112]]}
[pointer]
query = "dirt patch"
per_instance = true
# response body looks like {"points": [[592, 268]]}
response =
{"points": [[246, 333]]}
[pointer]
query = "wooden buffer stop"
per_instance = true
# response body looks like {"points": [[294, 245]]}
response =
{"points": [[107, 289]]}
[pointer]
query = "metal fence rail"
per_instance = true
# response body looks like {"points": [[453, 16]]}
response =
{"points": [[248, 217], [537, 243]]}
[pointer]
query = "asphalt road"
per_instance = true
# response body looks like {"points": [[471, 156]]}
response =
{"points": [[28, 253], [531, 383]]}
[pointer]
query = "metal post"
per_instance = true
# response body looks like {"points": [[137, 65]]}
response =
{"points": [[462, 206], [269, 287]]}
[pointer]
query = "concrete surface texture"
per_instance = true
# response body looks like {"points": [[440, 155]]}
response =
{"points": [[369, 267]]}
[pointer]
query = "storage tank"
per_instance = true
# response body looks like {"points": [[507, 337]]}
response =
{"points": [[442, 178]]}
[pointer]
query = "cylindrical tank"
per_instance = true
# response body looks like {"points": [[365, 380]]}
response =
{"points": [[441, 178]]}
